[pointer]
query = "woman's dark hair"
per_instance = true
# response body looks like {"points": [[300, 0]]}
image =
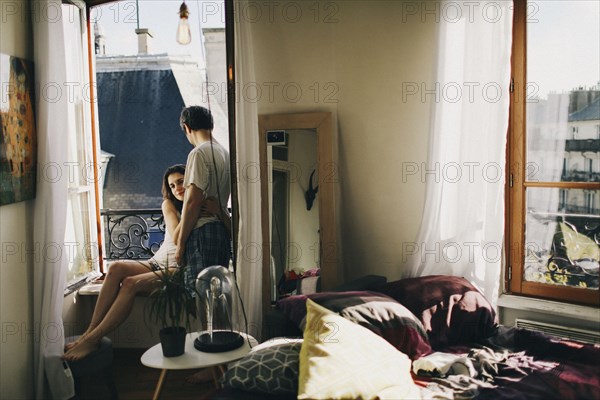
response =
{"points": [[166, 190], [196, 117]]}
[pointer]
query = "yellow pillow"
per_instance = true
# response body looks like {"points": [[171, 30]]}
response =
{"points": [[342, 360]]}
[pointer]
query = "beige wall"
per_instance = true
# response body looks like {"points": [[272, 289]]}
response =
{"points": [[16, 235], [352, 58]]}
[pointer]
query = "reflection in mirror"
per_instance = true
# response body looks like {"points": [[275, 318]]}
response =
{"points": [[297, 188], [294, 213]]}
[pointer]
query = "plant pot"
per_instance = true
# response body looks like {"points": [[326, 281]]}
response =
{"points": [[172, 340]]}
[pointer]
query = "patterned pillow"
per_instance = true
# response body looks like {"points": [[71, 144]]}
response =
{"points": [[270, 370], [377, 312]]}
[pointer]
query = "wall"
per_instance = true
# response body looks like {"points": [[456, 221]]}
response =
{"points": [[16, 235], [354, 58], [137, 331]]}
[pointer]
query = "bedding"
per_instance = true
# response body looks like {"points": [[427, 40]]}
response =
{"points": [[450, 308], [488, 361], [269, 368], [375, 311], [333, 364], [526, 365]]}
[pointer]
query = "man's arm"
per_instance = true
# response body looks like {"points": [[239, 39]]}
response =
{"points": [[190, 213]]}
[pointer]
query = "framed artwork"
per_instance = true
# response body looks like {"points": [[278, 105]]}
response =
{"points": [[18, 140]]}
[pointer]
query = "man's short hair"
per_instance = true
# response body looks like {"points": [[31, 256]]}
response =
{"points": [[196, 118]]}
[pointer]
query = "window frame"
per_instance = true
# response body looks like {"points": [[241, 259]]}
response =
{"points": [[84, 188], [517, 183]]}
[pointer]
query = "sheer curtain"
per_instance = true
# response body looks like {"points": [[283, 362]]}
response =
{"points": [[249, 263], [50, 213], [462, 228]]}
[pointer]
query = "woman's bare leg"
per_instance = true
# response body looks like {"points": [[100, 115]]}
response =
{"points": [[117, 272], [116, 314]]}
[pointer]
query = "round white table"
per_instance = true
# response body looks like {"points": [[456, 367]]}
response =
{"points": [[192, 358]]}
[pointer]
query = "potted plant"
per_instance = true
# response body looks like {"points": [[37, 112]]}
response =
{"points": [[172, 305]]}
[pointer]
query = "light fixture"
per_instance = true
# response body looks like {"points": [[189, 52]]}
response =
{"points": [[217, 292], [184, 36]]}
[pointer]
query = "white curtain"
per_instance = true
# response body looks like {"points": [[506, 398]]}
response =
{"points": [[463, 220], [49, 270], [249, 260]]}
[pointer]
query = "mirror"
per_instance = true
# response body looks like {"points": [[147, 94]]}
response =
{"points": [[298, 213]]}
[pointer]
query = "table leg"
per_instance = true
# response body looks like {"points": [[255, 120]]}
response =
{"points": [[213, 370], [159, 385]]}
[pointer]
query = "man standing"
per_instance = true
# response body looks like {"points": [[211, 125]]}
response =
{"points": [[203, 240]]}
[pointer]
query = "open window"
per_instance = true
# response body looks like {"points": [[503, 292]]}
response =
{"points": [[81, 235], [553, 227]]}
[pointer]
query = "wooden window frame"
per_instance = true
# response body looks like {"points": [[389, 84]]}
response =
{"points": [[87, 131], [517, 184]]}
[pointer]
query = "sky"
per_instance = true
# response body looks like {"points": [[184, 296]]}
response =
{"points": [[119, 20], [563, 45]]}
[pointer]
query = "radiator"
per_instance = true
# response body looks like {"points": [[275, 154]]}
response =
{"points": [[581, 335]]}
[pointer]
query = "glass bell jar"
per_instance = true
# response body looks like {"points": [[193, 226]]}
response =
{"points": [[217, 292]]}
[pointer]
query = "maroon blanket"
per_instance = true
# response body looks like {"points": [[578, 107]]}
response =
{"points": [[527, 365]]}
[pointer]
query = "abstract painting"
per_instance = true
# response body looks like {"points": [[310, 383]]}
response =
{"points": [[18, 141]]}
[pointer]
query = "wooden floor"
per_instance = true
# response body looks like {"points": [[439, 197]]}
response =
{"points": [[135, 381]]}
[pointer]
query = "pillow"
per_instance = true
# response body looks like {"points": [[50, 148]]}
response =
{"points": [[271, 368], [451, 309], [377, 312], [342, 360]]}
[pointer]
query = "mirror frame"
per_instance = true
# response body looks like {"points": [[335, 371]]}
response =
{"points": [[321, 122]]}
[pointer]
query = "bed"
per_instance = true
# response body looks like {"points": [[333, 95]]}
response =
{"points": [[430, 337]]}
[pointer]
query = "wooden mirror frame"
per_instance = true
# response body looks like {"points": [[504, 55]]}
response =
{"points": [[321, 122]]}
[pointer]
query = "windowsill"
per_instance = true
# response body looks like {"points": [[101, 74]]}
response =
{"points": [[91, 289], [84, 281], [585, 313]]}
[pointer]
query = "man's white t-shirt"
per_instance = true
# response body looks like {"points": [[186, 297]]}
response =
{"points": [[208, 175]]}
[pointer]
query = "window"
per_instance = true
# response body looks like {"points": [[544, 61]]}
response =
{"points": [[553, 213], [81, 230]]}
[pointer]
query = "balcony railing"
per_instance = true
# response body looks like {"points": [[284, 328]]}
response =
{"points": [[580, 176], [132, 234], [592, 145]]}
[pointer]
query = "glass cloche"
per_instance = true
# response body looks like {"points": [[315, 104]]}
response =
{"points": [[216, 294]]}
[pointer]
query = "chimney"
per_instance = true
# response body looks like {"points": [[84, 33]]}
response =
{"points": [[99, 39], [143, 40]]}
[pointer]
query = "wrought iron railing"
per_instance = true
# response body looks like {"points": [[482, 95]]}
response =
{"points": [[554, 261], [134, 234], [580, 176], [592, 145]]}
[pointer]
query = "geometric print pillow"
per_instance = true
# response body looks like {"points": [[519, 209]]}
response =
{"points": [[272, 370]]}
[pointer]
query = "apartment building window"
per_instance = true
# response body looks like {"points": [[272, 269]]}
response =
{"points": [[589, 201], [552, 235], [81, 238]]}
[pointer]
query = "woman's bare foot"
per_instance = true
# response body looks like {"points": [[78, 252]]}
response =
{"points": [[74, 343], [70, 345], [81, 349]]}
